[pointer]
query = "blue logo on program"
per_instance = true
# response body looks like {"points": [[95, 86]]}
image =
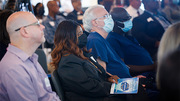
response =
{"points": [[124, 86]]}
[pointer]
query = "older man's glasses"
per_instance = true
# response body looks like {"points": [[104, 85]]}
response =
{"points": [[105, 16], [35, 23]]}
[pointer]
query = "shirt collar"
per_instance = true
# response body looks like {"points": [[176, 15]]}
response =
{"points": [[51, 17], [21, 54]]}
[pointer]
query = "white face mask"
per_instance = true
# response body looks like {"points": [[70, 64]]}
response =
{"points": [[108, 23]]}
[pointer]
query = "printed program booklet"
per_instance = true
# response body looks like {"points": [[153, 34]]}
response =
{"points": [[125, 86]]}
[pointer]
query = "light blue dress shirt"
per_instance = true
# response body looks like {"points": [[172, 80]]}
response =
{"points": [[23, 79]]}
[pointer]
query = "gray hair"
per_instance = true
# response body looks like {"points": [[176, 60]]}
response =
{"points": [[169, 43], [88, 16]]}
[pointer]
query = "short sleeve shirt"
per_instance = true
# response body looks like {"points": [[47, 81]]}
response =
{"points": [[102, 49]]}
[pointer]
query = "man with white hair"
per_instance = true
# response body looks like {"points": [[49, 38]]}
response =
{"points": [[98, 21], [21, 76]]}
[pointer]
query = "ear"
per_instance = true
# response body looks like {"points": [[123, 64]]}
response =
{"points": [[24, 33]]}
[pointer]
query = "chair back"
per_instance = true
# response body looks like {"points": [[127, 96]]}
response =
{"points": [[57, 85], [42, 59]]}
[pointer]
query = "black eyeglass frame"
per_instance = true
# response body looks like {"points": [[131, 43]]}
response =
{"points": [[35, 23]]}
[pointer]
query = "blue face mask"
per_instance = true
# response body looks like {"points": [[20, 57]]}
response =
{"points": [[127, 25], [109, 24]]}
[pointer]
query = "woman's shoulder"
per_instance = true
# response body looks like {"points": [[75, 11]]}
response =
{"points": [[70, 58]]}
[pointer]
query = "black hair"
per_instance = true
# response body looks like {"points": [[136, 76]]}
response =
{"points": [[35, 8]]}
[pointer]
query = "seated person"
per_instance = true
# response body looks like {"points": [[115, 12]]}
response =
{"points": [[126, 46], [81, 79], [21, 76], [98, 21], [149, 27], [51, 21]]}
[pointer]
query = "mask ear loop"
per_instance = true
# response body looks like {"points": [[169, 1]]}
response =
{"points": [[120, 24]]}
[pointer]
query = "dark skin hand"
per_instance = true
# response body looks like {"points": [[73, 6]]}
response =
{"points": [[113, 79]]}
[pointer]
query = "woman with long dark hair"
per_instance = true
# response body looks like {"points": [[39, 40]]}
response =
{"points": [[81, 79]]}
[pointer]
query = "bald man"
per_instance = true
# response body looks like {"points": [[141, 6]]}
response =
{"points": [[51, 22], [21, 76]]}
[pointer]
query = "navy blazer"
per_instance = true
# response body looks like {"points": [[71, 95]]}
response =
{"points": [[147, 30]]}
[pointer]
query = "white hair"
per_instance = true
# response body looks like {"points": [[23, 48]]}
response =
{"points": [[88, 16]]}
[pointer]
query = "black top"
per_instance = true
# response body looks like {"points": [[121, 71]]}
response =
{"points": [[74, 16], [3, 49], [147, 30], [82, 81], [81, 78]]}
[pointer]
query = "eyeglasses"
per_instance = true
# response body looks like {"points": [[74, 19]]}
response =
{"points": [[105, 16], [35, 23]]}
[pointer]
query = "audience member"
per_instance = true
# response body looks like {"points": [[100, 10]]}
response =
{"points": [[87, 81], [51, 22], [23, 79], [4, 36], [98, 21], [126, 46], [172, 10], [39, 11], [77, 9], [149, 27], [169, 76], [134, 8], [169, 43]]}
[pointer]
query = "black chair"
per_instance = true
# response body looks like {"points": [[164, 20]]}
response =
{"points": [[42, 59], [57, 85]]}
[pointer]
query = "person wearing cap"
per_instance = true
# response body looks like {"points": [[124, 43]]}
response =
{"points": [[130, 51], [126, 46]]}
